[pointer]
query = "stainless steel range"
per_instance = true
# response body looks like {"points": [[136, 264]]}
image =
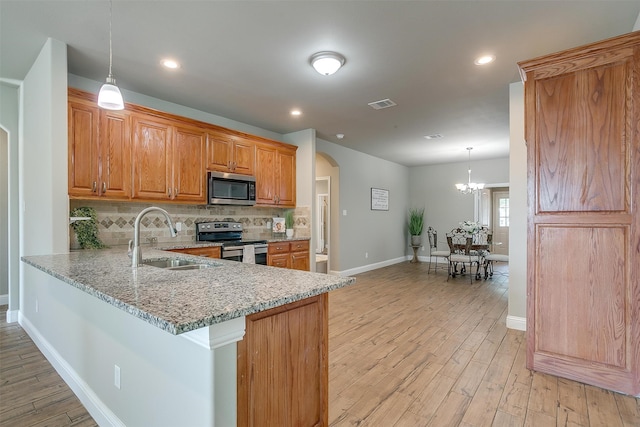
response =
{"points": [[230, 235]]}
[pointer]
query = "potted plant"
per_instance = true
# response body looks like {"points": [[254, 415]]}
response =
{"points": [[86, 228], [416, 223], [288, 223]]}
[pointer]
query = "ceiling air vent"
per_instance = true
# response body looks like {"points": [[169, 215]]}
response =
{"points": [[383, 103]]}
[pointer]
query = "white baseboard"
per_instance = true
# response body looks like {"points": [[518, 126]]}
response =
{"points": [[98, 410], [370, 267], [4, 299], [518, 323], [12, 316]]}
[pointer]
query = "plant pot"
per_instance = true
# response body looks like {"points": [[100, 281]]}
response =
{"points": [[416, 240], [289, 232]]}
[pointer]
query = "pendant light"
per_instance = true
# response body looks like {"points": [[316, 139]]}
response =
{"points": [[469, 187], [110, 97]]}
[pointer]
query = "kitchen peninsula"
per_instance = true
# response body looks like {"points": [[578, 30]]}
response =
{"points": [[152, 346]]}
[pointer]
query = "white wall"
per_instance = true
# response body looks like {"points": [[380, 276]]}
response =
{"points": [[4, 217], [380, 234], [9, 121], [518, 206]]}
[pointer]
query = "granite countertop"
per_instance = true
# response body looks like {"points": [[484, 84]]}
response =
{"points": [[182, 301]]}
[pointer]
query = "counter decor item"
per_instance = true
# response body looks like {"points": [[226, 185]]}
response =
{"points": [[416, 223], [288, 223], [86, 230], [278, 226]]}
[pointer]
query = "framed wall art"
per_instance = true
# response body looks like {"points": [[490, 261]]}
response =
{"points": [[379, 199]]}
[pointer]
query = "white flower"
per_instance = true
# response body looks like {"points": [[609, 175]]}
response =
{"points": [[470, 227]]}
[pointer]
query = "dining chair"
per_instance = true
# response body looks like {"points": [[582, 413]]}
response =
{"points": [[489, 259], [433, 250], [460, 244]]}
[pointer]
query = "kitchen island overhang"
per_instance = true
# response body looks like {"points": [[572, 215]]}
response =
{"points": [[89, 311]]}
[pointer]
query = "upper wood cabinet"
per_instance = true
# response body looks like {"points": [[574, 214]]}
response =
{"points": [[143, 154], [230, 153], [582, 109], [276, 175], [99, 152], [167, 160]]}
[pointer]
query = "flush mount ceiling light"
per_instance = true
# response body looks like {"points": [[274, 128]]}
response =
{"points": [[327, 63], [170, 63], [469, 187], [484, 60], [110, 97], [433, 136]]}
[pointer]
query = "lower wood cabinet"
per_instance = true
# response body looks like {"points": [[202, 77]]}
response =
{"points": [[283, 366], [293, 255], [209, 251]]}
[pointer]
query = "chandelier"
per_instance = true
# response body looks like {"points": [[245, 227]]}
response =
{"points": [[469, 187]]}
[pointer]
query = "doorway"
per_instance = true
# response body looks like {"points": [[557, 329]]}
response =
{"points": [[323, 223], [500, 209]]}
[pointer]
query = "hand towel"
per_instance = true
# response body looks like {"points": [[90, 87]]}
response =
{"points": [[249, 254]]}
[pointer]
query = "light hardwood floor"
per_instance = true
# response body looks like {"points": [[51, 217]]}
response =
{"points": [[406, 348]]}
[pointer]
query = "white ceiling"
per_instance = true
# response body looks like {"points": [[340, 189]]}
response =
{"points": [[248, 61]]}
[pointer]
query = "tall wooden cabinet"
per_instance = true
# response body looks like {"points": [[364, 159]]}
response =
{"points": [[99, 154], [582, 119]]}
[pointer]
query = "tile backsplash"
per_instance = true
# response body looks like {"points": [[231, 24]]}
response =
{"points": [[116, 219]]}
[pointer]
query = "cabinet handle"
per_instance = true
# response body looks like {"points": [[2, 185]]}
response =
{"points": [[104, 187], [94, 187], [176, 191], [169, 192]]}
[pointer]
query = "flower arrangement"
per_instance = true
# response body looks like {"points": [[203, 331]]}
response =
{"points": [[470, 227]]}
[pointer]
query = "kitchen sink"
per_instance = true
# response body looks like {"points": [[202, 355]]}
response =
{"points": [[175, 264]]}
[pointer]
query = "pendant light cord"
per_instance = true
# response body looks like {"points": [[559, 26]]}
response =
{"points": [[110, 46]]}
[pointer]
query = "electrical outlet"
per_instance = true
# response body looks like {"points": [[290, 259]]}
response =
{"points": [[178, 226], [116, 376], [37, 306], [366, 254], [344, 212]]}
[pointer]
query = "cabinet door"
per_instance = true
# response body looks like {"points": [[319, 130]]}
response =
{"points": [[279, 260], [244, 157], [283, 366], [265, 175], [300, 261], [583, 290], [83, 149], [151, 159], [219, 152], [188, 168], [115, 155], [286, 178]]}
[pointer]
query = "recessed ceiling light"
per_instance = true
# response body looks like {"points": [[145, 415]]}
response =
{"points": [[170, 63], [296, 112], [433, 136], [485, 59]]}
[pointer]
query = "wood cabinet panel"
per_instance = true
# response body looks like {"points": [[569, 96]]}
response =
{"points": [[188, 167], [151, 159], [283, 366], [83, 149], [583, 163], [115, 157], [286, 178], [244, 157], [209, 251], [265, 175], [293, 255]]}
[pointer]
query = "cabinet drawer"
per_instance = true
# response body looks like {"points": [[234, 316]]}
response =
{"points": [[301, 245], [210, 251], [279, 248]]}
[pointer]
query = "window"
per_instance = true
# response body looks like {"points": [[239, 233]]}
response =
{"points": [[503, 211]]}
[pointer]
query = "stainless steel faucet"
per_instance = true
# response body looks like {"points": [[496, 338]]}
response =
{"points": [[135, 252]]}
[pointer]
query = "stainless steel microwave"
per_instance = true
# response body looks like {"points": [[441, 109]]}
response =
{"points": [[231, 189]]}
